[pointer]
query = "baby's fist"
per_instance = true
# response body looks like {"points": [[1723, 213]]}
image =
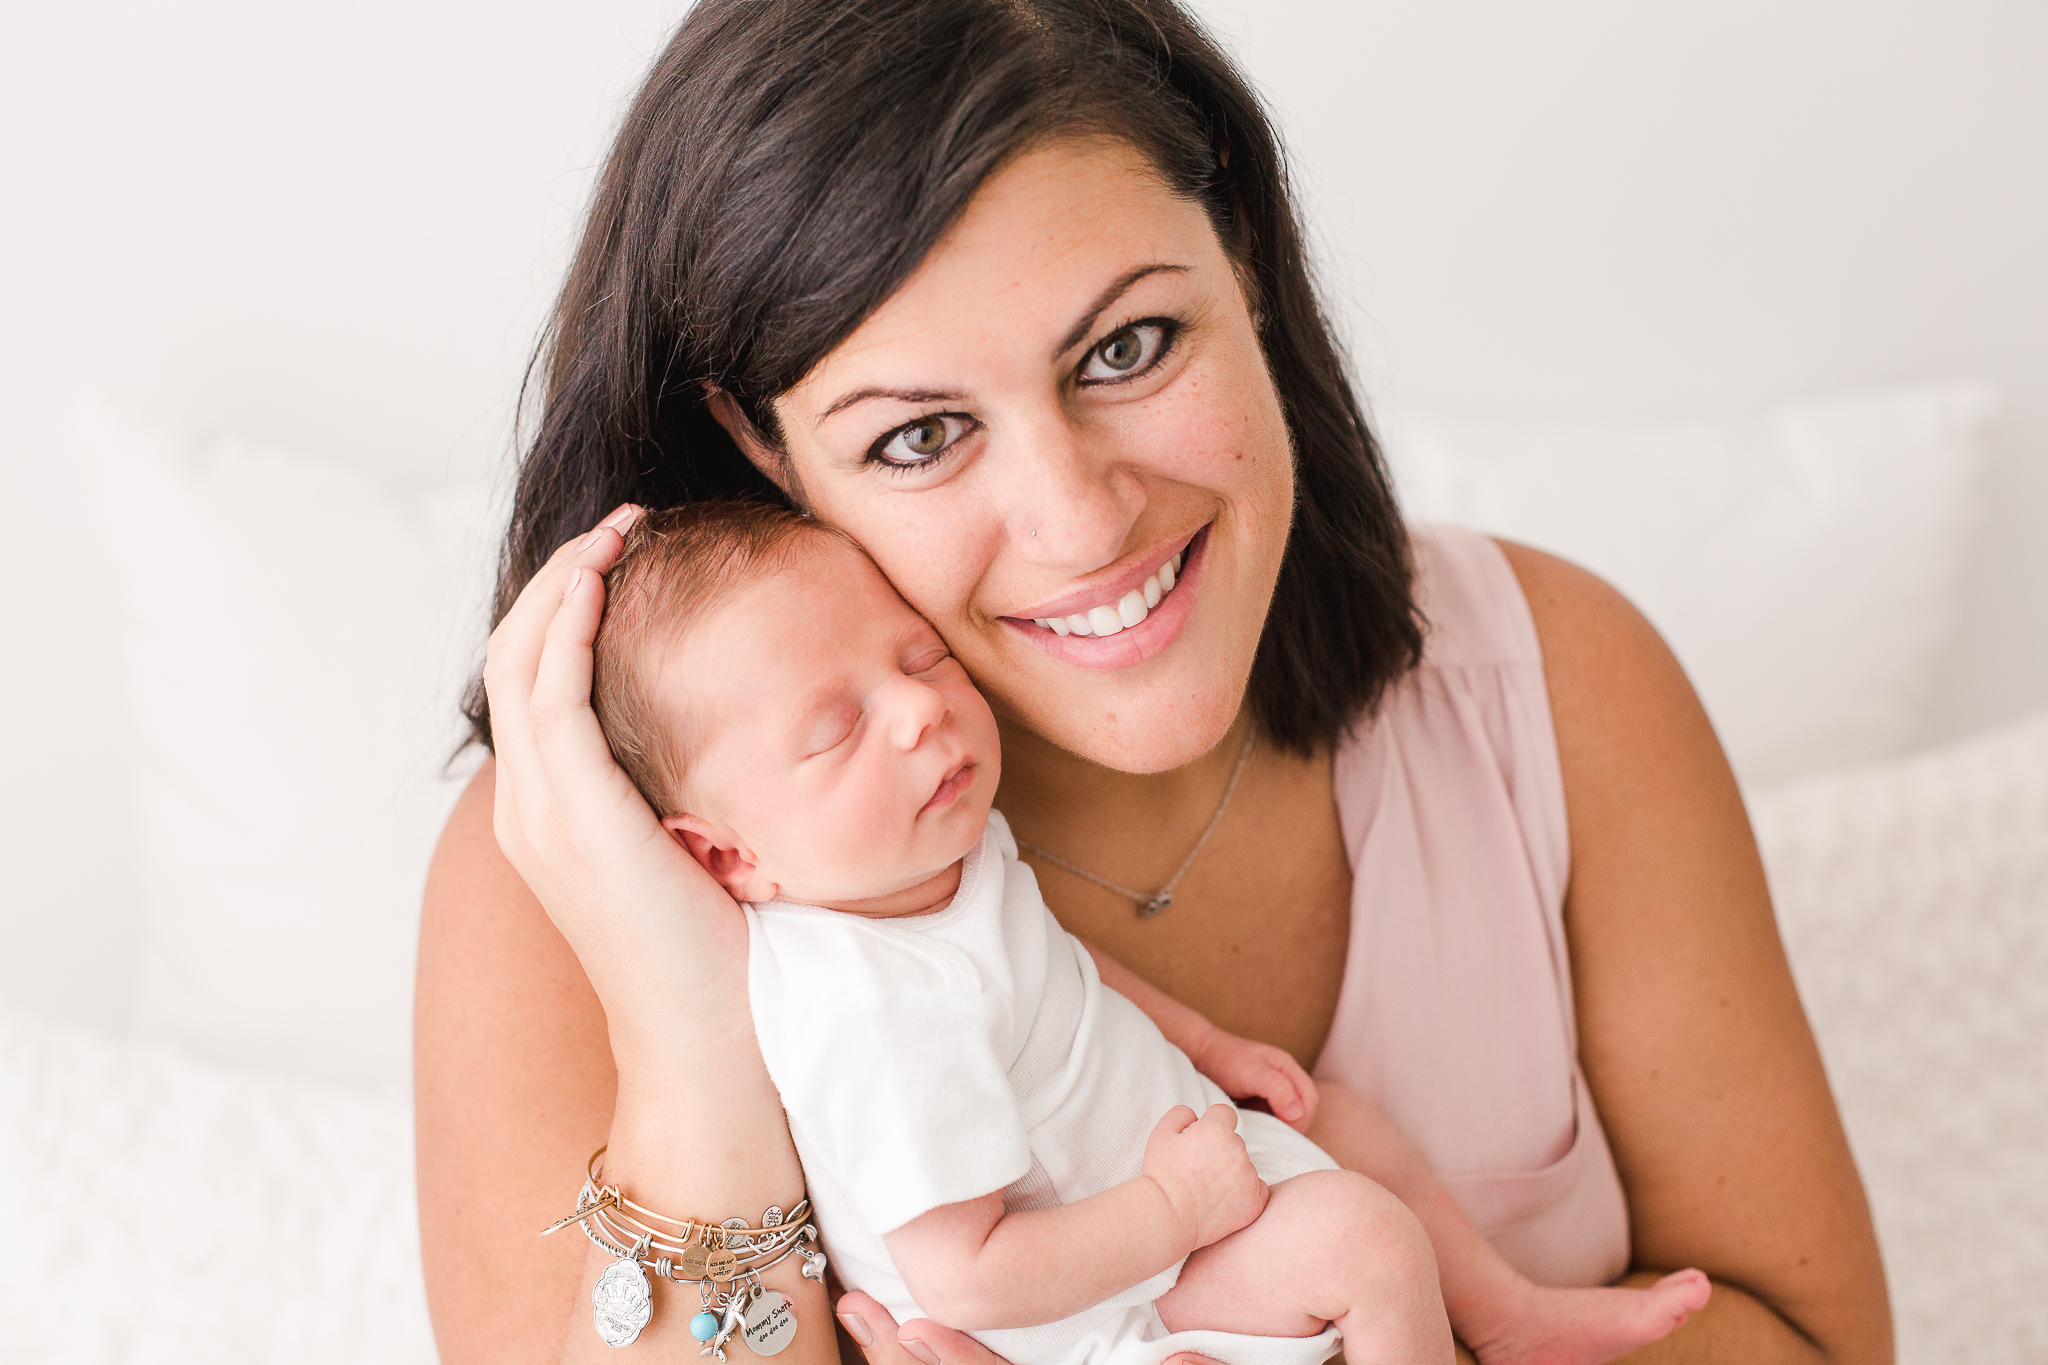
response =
{"points": [[1205, 1172]]}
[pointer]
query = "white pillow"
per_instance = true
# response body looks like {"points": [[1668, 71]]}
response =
{"points": [[166, 1211], [1913, 899], [296, 635], [1803, 567]]}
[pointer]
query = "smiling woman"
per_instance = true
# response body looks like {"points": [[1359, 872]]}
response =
{"points": [[1035, 328]]}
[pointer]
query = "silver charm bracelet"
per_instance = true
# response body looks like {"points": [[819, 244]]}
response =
{"points": [[728, 1254]]}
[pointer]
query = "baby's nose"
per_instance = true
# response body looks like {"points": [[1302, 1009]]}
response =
{"points": [[918, 707]]}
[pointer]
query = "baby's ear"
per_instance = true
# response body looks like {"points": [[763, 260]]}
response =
{"points": [[718, 850]]}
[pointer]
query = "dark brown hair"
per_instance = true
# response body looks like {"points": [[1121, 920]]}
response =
{"points": [[677, 565], [789, 163]]}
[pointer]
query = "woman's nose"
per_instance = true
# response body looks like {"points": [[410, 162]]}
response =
{"points": [[1071, 500]]}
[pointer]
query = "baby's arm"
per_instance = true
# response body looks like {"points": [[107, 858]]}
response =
{"points": [[1243, 1068], [974, 1266]]}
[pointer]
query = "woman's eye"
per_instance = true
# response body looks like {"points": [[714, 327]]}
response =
{"points": [[923, 440], [1125, 353]]}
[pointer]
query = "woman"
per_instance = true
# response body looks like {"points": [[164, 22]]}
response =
{"points": [[1012, 292]]}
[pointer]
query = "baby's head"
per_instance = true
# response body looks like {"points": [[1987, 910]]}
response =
{"points": [[796, 726]]}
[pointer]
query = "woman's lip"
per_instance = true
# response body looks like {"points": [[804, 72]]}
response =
{"points": [[1134, 644], [955, 783], [1107, 592]]}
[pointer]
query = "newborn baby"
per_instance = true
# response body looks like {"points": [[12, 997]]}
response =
{"points": [[992, 1136]]}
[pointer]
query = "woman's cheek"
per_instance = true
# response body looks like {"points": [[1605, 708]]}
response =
{"points": [[932, 545]]}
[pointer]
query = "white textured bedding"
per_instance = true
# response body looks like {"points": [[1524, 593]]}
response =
{"points": [[1913, 898], [167, 1211]]}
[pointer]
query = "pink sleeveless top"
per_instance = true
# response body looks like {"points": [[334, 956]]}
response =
{"points": [[1456, 1010]]}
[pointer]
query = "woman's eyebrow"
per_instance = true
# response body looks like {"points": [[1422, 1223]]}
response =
{"points": [[1072, 339], [1106, 298], [900, 395]]}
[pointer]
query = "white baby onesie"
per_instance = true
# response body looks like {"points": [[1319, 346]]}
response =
{"points": [[932, 1059]]}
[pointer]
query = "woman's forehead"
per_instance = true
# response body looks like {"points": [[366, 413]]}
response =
{"points": [[1035, 249]]}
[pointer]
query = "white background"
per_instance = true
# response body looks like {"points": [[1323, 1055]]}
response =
{"points": [[336, 230]]}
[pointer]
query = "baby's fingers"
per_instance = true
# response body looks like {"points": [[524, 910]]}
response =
{"points": [[1293, 1095]]}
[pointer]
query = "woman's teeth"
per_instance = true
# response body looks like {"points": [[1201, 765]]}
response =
{"points": [[1128, 610]]}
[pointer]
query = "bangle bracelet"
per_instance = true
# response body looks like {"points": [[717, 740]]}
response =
{"points": [[724, 1260]]}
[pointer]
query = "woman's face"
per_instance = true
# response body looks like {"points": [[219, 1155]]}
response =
{"points": [[1064, 403]]}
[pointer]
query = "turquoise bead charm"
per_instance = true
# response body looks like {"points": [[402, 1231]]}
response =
{"points": [[704, 1326]]}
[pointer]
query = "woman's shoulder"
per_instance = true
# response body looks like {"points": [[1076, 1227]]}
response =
{"points": [[1475, 611]]}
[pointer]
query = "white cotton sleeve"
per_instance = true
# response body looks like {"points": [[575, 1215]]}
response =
{"points": [[890, 1064]]}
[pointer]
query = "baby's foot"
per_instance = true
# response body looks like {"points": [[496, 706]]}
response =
{"points": [[1588, 1326]]}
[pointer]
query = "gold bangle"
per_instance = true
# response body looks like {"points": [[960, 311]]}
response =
{"points": [[730, 1226]]}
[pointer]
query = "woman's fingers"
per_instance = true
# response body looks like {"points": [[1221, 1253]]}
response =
{"points": [[918, 1342], [563, 722], [515, 649]]}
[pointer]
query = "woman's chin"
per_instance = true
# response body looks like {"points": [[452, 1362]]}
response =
{"points": [[1134, 732]]}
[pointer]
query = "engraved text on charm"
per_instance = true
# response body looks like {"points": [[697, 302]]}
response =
{"points": [[771, 1324], [622, 1302]]}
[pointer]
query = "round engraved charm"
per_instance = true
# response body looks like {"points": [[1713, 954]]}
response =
{"points": [[691, 1264], [622, 1302], [772, 1218], [736, 1234], [770, 1324], [719, 1265]]}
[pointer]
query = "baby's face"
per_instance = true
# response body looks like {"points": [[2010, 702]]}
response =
{"points": [[844, 752]]}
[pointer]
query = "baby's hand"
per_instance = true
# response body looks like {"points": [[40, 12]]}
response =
{"points": [[1205, 1171], [1245, 1070]]}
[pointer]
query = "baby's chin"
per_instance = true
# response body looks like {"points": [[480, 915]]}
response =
{"points": [[929, 872]]}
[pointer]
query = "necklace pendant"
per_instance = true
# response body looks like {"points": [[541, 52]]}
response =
{"points": [[1154, 904]]}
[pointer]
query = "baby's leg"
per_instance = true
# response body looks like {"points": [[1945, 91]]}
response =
{"points": [[1505, 1318], [1331, 1246]]}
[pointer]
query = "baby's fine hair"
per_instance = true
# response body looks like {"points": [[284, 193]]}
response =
{"points": [[676, 566]]}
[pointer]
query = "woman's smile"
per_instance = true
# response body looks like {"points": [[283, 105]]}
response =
{"points": [[1115, 626]]}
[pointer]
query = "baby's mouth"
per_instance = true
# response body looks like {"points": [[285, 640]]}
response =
{"points": [[1131, 609], [955, 783]]}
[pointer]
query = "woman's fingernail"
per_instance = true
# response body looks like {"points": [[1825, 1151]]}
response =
{"points": [[919, 1349], [588, 540], [857, 1328], [575, 577], [619, 520]]}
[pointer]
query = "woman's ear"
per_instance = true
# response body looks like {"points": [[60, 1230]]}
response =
{"points": [[772, 463], [719, 850]]}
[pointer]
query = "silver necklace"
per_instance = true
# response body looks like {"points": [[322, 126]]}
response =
{"points": [[1148, 906]]}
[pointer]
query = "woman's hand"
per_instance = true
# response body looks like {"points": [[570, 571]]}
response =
{"points": [[924, 1342], [661, 942]]}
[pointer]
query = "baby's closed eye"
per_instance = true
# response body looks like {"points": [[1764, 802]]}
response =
{"points": [[830, 728]]}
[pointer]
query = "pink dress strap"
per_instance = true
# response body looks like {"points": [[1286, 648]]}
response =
{"points": [[1456, 1010]]}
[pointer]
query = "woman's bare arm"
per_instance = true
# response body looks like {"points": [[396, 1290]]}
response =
{"points": [[1691, 1034], [555, 889], [512, 1090]]}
